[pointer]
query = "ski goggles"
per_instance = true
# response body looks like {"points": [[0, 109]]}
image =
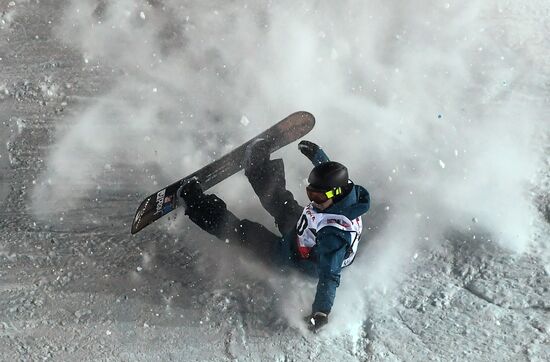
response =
{"points": [[319, 196]]}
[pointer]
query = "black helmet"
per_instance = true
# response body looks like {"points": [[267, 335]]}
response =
{"points": [[328, 176]]}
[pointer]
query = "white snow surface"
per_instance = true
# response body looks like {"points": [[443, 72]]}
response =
{"points": [[439, 108]]}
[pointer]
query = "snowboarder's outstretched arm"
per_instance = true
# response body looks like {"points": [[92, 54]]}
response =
{"points": [[332, 245]]}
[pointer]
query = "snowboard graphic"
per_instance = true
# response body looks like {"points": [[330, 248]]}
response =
{"points": [[164, 201]]}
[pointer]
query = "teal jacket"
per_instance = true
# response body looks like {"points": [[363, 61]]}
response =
{"points": [[332, 244]]}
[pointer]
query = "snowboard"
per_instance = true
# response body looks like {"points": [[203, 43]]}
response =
{"points": [[164, 201]]}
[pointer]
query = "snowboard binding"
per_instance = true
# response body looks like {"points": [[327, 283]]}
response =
{"points": [[190, 192], [256, 154]]}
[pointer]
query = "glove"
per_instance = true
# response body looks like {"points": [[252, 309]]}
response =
{"points": [[316, 320], [309, 149]]}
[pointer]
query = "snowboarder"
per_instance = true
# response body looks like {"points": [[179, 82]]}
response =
{"points": [[319, 239]]}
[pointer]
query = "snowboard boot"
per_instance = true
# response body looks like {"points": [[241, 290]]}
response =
{"points": [[208, 211], [190, 193], [256, 155]]}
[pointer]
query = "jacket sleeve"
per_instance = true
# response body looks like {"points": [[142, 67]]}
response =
{"points": [[332, 245], [319, 157]]}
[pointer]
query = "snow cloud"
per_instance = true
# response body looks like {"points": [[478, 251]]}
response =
{"points": [[436, 108]]}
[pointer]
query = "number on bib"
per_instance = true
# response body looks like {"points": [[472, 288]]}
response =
{"points": [[302, 225]]}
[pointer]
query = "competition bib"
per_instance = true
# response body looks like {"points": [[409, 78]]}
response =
{"points": [[311, 222]]}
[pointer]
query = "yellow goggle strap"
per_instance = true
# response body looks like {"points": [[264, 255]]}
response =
{"points": [[334, 192]]}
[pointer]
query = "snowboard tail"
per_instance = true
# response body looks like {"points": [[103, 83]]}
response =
{"points": [[164, 201]]}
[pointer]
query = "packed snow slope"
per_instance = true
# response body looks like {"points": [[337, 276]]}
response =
{"points": [[439, 108]]}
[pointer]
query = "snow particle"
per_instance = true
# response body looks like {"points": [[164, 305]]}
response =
{"points": [[442, 164], [108, 332], [244, 121], [142, 15], [139, 268]]}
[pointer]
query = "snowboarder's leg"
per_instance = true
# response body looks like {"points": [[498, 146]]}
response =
{"points": [[267, 178], [267, 246], [210, 213]]}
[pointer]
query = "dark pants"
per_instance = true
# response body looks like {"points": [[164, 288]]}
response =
{"points": [[268, 181]]}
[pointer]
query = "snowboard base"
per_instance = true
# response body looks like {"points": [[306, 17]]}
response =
{"points": [[164, 201]]}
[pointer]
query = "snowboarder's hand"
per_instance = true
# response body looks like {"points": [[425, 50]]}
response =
{"points": [[309, 149], [316, 320]]}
